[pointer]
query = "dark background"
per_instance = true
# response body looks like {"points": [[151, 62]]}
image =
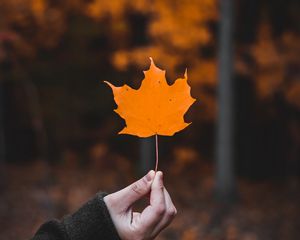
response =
{"points": [[58, 132]]}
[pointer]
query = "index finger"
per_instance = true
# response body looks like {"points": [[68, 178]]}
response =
{"points": [[155, 211]]}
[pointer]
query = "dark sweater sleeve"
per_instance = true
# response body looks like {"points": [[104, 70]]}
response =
{"points": [[91, 222]]}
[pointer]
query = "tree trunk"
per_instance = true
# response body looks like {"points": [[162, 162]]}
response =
{"points": [[225, 181], [2, 142]]}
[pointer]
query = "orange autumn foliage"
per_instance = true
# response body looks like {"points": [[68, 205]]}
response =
{"points": [[154, 108]]}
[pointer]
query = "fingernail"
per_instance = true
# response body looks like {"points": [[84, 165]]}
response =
{"points": [[149, 176]]}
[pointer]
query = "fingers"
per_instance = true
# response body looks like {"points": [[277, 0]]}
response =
{"points": [[154, 218], [153, 214], [124, 198], [171, 209], [161, 210], [157, 197], [170, 213]]}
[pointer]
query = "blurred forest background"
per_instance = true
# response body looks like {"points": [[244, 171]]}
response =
{"points": [[58, 132]]}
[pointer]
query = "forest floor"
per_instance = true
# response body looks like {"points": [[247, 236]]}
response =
{"points": [[32, 193]]}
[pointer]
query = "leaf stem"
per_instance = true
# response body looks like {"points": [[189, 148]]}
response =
{"points": [[156, 150]]}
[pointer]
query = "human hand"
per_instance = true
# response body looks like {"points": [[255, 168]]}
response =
{"points": [[155, 217]]}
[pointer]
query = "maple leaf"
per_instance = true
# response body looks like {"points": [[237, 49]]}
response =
{"points": [[156, 108]]}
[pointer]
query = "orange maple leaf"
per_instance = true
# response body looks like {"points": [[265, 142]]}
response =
{"points": [[156, 108]]}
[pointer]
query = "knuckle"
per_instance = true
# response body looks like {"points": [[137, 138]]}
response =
{"points": [[136, 188], [144, 181], [160, 185], [139, 186], [172, 211]]}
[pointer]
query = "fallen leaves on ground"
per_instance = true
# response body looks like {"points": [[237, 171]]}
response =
{"points": [[33, 194]]}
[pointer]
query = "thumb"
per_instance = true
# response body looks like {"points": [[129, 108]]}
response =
{"points": [[127, 196]]}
